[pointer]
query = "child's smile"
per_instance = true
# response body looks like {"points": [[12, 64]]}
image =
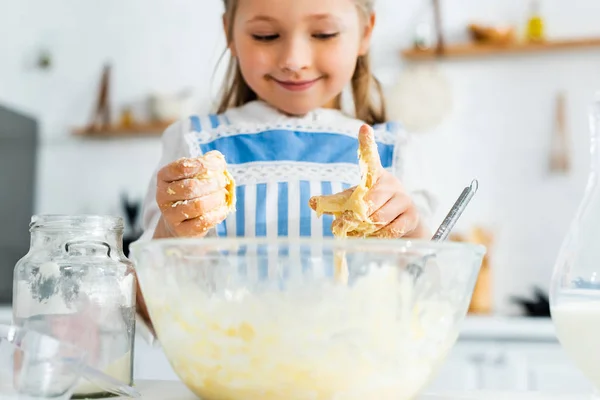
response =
{"points": [[296, 85]]}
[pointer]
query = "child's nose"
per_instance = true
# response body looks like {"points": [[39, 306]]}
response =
{"points": [[296, 55]]}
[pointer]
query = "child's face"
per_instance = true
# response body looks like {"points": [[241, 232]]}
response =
{"points": [[298, 55]]}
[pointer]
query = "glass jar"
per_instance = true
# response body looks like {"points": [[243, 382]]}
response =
{"points": [[76, 284], [575, 285]]}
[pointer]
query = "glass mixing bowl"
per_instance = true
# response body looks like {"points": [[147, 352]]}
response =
{"points": [[269, 318]]}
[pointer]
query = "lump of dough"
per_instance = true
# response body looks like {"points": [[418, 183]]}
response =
{"points": [[229, 181], [349, 208]]}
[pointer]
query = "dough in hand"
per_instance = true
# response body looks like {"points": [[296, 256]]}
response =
{"points": [[216, 168], [350, 208], [209, 173]]}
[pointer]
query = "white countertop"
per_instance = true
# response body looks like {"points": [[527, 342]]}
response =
{"points": [[474, 327], [507, 328], [164, 390]]}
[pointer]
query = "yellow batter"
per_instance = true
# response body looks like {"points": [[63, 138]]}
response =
{"points": [[362, 342]]}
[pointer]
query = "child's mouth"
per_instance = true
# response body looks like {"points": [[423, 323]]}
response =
{"points": [[296, 86]]}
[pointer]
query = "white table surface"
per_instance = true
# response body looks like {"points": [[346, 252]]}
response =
{"points": [[170, 390]]}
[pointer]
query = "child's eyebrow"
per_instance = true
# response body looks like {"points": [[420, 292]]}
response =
{"points": [[317, 17], [261, 18], [322, 16]]}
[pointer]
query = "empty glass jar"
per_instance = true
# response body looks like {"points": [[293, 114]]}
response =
{"points": [[76, 284]]}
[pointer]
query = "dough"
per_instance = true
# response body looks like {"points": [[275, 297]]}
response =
{"points": [[349, 208], [210, 174]]}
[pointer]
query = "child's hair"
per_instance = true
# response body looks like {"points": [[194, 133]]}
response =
{"points": [[368, 96]]}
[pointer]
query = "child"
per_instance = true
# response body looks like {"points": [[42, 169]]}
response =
{"points": [[282, 132]]}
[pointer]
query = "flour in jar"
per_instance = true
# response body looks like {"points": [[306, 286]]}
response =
{"points": [[41, 296]]}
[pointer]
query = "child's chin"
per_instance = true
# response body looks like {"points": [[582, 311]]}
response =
{"points": [[298, 107]]}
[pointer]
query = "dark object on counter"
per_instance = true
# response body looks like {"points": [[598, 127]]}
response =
{"points": [[538, 307], [19, 143], [132, 230]]}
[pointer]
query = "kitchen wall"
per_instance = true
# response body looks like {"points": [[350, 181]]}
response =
{"points": [[499, 129]]}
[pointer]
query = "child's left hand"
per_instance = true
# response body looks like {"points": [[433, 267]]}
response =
{"points": [[391, 207]]}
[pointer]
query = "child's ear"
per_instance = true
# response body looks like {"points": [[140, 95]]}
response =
{"points": [[228, 35], [365, 42]]}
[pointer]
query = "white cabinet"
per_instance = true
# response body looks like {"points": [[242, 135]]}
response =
{"points": [[510, 366], [546, 367], [460, 371], [474, 365]]}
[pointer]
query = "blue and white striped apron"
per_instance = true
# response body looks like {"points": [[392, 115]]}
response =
{"points": [[277, 168]]}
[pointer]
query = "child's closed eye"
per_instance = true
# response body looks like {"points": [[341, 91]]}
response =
{"points": [[326, 36], [265, 38]]}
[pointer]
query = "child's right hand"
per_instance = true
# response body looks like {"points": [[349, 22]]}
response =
{"points": [[192, 196]]}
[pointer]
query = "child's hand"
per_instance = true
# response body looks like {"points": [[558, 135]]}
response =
{"points": [[393, 209], [378, 207], [389, 207], [192, 194]]}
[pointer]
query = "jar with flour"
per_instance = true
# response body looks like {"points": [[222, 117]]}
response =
{"points": [[76, 284]]}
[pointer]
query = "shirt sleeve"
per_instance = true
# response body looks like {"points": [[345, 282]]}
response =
{"points": [[173, 148], [414, 169]]}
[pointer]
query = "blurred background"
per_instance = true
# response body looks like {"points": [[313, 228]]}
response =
{"points": [[502, 97]]}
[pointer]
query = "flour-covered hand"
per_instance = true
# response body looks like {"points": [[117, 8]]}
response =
{"points": [[379, 206], [393, 210], [194, 195]]}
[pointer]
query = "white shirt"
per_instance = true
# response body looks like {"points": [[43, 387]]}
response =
{"points": [[279, 161]]}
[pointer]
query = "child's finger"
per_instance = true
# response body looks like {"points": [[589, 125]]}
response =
{"points": [[396, 205], [200, 225], [399, 227], [214, 162], [369, 155], [378, 197], [187, 189], [179, 211], [185, 168], [382, 191]]}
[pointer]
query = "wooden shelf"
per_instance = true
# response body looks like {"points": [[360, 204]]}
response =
{"points": [[468, 50], [143, 129]]}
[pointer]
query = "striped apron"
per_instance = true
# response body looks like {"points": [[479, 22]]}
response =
{"points": [[277, 168]]}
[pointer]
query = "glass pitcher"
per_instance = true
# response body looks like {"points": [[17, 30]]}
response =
{"points": [[575, 285], [76, 284]]}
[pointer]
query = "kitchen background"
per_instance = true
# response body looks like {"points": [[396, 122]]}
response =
{"points": [[498, 109]]}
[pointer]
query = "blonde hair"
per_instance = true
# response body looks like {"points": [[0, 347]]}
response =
{"points": [[369, 104]]}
